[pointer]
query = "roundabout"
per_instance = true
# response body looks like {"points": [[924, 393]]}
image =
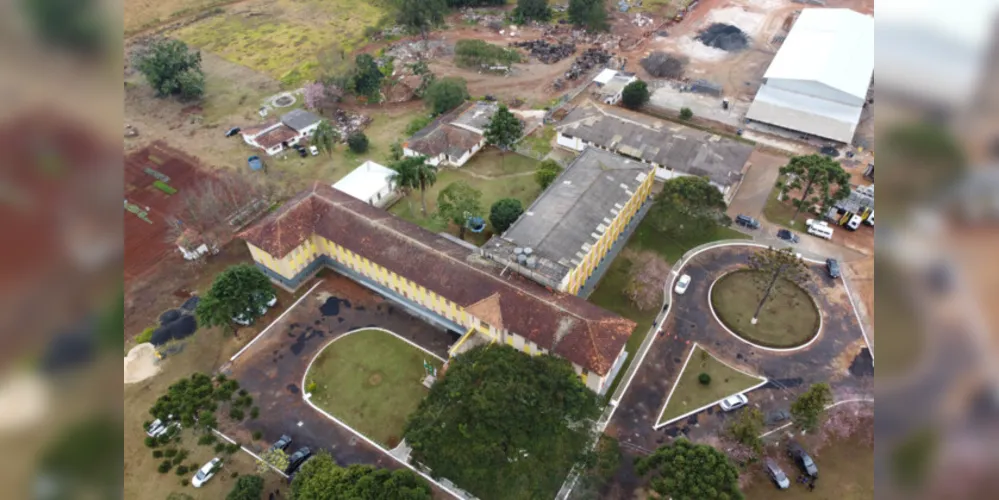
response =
{"points": [[788, 320]]}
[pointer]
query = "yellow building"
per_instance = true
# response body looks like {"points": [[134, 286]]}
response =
{"points": [[436, 279], [565, 235]]}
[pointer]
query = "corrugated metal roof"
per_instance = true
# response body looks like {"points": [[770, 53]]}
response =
{"points": [[804, 113]]}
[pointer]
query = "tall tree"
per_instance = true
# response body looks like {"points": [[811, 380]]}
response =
{"points": [[527, 10], [241, 290], [688, 207], [504, 424], [546, 173], [686, 471], [413, 172], [808, 409], [367, 76], [325, 137], [172, 69], [775, 269], [589, 14], [445, 94], [421, 15], [458, 202], [503, 129], [635, 94], [247, 488], [322, 479], [815, 176], [504, 213]]}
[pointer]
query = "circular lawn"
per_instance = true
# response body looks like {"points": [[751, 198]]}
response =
{"points": [[789, 318]]}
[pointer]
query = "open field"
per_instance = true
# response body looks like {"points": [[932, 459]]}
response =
{"points": [[372, 381], [139, 14], [648, 238], [788, 319], [846, 469], [688, 394]]}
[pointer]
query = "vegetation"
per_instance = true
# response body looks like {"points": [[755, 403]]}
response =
{"points": [[528, 10], [685, 471], [418, 123], [444, 95], [775, 269], [241, 290], [322, 479], [704, 378], [635, 94], [503, 129], [547, 172], [504, 213], [689, 394], [688, 207], [145, 335], [747, 428], [601, 467], [421, 15], [358, 142], [325, 137], [686, 113], [504, 424], [789, 318], [247, 488], [74, 25], [367, 80], [818, 180], [413, 172], [473, 53], [589, 14], [458, 202], [276, 458], [809, 408], [193, 401], [172, 69]]}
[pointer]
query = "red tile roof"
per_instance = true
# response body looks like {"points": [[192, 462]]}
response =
{"points": [[563, 324], [275, 136]]}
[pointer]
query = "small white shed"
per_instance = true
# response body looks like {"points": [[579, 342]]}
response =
{"points": [[371, 182]]}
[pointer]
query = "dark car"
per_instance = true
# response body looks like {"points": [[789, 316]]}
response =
{"points": [[745, 220], [787, 235], [233, 131], [802, 458], [776, 417], [297, 459], [829, 151], [301, 150], [832, 266], [282, 443]]}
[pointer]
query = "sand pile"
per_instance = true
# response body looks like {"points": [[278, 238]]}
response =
{"points": [[141, 363]]}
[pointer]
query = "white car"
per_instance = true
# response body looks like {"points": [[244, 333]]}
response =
{"points": [[206, 472], [314, 150], [734, 402], [682, 284]]}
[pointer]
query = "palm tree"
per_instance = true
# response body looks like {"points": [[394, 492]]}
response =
{"points": [[325, 137], [413, 172]]}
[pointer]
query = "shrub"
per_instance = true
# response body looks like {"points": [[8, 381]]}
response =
{"points": [[242, 392], [170, 452], [181, 470], [445, 94], [151, 442], [164, 467], [165, 438], [232, 448], [358, 142], [254, 412], [193, 466], [504, 213], [417, 124], [704, 379], [166, 188], [236, 413], [184, 482], [311, 386], [219, 447], [257, 435], [686, 113], [474, 52], [157, 453], [181, 455], [246, 401], [234, 475], [635, 94], [143, 337], [546, 173], [207, 439]]}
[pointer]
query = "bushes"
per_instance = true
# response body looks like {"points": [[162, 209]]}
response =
{"points": [[179, 458], [170, 452], [181, 470], [184, 482], [236, 413], [207, 439], [166, 188], [504, 213], [635, 94], [311, 387], [473, 52], [157, 453], [145, 336], [257, 435], [151, 442], [445, 94], [686, 113], [164, 467], [358, 142], [418, 124], [704, 379], [546, 173], [219, 447], [254, 412]]}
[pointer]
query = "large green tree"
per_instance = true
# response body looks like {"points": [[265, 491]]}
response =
{"points": [[413, 172], [775, 269], [589, 14], [527, 10], [687, 208], [445, 94], [457, 202], [546, 173], [247, 488], [421, 15], [808, 409], [503, 129], [172, 69], [820, 180], [635, 94], [322, 479], [325, 137], [367, 77], [504, 424], [686, 471], [241, 290], [504, 213]]}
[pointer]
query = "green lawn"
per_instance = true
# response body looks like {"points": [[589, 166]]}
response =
{"points": [[689, 394], [492, 163], [372, 381], [846, 470], [540, 141], [780, 212], [646, 237], [788, 319]]}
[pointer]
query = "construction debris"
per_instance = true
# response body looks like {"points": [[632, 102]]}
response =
{"points": [[724, 36], [548, 53], [703, 87], [642, 20], [664, 65], [418, 50], [481, 17], [347, 123], [586, 61]]}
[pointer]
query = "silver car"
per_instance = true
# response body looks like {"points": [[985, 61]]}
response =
{"points": [[777, 474]]}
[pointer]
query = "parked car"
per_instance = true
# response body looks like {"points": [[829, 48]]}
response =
{"points": [[832, 266], [802, 458], [233, 131], [682, 284], [776, 417], [829, 151], [282, 443], [314, 150], [819, 228], [297, 459], [154, 427], [787, 235], [776, 473], [734, 402], [301, 151], [206, 472], [747, 221]]}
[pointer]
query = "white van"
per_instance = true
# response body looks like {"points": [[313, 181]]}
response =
{"points": [[853, 223], [820, 229]]}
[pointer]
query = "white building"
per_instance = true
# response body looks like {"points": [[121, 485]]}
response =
{"points": [[273, 137], [611, 84], [818, 82], [371, 182]]}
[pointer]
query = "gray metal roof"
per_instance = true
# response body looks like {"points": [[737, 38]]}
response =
{"points": [[683, 149], [477, 115], [299, 119]]}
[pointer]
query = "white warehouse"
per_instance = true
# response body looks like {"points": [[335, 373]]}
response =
{"points": [[818, 82]]}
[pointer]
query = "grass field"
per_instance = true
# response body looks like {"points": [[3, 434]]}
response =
{"points": [[788, 319], [846, 473], [780, 212], [646, 237], [372, 381], [689, 394]]}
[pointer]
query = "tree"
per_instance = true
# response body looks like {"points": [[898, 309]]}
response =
{"points": [[601, 465], [504, 213], [503, 129], [635, 94], [810, 173], [322, 479], [420, 15], [276, 458], [546, 173], [445, 94], [172, 69], [358, 142], [527, 10], [589, 14], [687, 208], [367, 77], [808, 409], [504, 424], [686, 471], [413, 172], [747, 428], [247, 488], [325, 137], [457, 202], [775, 269], [686, 113], [314, 94], [241, 290]]}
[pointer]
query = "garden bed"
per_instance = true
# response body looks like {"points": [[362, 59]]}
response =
{"points": [[689, 394]]}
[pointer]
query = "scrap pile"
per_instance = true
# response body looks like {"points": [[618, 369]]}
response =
{"points": [[482, 18], [347, 123], [589, 59], [664, 65], [723, 36], [418, 50], [642, 20], [548, 53]]}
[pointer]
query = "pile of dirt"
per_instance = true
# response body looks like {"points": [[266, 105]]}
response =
{"points": [[548, 53], [664, 65], [723, 36], [141, 363], [589, 59]]}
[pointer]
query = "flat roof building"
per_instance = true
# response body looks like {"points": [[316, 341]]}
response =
{"points": [[370, 182]]}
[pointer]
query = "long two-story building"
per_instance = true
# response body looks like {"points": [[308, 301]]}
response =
{"points": [[437, 279]]}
